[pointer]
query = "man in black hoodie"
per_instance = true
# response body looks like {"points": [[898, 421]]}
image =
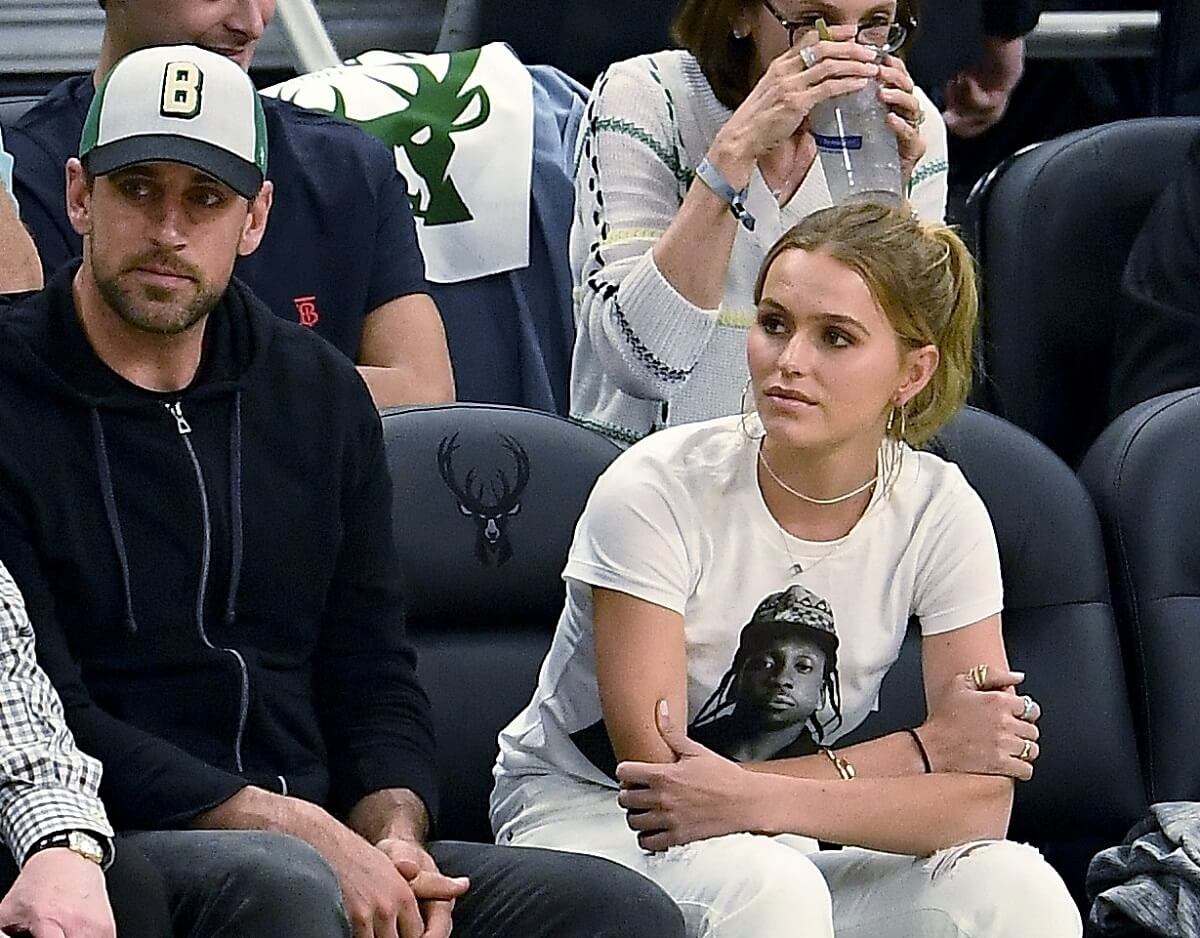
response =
{"points": [[194, 499]]}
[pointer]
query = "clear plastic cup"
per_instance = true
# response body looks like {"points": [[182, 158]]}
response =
{"points": [[859, 152]]}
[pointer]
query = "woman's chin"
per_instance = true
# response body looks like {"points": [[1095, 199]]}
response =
{"points": [[800, 430]]}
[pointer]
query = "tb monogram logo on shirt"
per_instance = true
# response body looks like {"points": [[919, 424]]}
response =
{"points": [[306, 307]]}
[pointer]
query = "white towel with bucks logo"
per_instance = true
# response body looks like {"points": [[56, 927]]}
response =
{"points": [[461, 126]]}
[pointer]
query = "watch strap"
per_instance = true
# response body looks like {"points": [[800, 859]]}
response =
{"points": [[88, 844], [711, 177]]}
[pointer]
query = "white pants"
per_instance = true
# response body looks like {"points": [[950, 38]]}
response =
{"points": [[751, 886]]}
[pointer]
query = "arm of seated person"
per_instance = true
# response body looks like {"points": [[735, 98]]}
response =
{"points": [[969, 729], [20, 269], [700, 794], [403, 355], [385, 876], [641, 658]]}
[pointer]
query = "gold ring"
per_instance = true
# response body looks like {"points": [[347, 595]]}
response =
{"points": [[1026, 750], [979, 675]]}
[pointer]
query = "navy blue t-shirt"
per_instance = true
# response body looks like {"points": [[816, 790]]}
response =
{"points": [[340, 239]]}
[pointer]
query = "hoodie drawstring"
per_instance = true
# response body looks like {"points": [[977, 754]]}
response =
{"points": [[235, 507], [110, 512]]}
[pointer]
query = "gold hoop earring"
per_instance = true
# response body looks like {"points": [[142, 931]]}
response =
{"points": [[747, 412], [891, 449], [900, 425]]}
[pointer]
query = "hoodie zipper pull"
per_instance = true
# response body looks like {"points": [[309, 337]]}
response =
{"points": [[181, 423]]}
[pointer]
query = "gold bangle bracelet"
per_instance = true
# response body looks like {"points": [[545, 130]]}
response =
{"points": [[844, 768]]}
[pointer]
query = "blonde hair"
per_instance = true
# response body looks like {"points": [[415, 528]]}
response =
{"points": [[923, 278]]}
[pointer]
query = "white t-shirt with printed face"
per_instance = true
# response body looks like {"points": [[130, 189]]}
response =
{"points": [[679, 520]]}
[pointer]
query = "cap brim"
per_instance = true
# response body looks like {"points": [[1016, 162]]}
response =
{"points": [[242, 176]]}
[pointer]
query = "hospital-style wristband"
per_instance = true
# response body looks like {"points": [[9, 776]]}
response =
{"points": [[711, 177]]}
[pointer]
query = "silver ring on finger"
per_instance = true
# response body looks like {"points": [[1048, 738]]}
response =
{"points": [[1026, 751], [1027, 710], [916, 122], [808, 55]]}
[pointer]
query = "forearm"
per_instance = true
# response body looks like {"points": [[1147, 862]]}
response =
{"points": [[399, 386], [403, 356], [394, 813], [892, 756], [693, 253], [256, 809], [930, 178], [916, 816]]}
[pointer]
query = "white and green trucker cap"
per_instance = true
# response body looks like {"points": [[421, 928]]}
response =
{"points": [[180, 104]]}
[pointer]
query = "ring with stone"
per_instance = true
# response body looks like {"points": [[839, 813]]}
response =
{"points": [[1027, 710], [808, 56]]}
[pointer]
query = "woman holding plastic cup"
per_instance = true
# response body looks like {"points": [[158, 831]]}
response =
{"points": [[691, 163]]}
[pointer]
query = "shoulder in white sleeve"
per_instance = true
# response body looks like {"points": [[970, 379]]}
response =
{"points": [[635, 534], [958, 576]]}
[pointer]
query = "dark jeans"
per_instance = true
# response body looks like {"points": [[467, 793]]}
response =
{"points": [[135, 890], [223, 884]]}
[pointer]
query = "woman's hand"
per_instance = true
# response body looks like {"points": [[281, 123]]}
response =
{"points": [[782, 99], [979, 730], [896, 91], [693, 798]]}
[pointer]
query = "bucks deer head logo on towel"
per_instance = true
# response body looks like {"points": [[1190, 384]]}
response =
{"points": [[438, 109]]}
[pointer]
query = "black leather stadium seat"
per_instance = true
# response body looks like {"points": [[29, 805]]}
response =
{"points": [[486, 500], [1054, 225], [1141, 473]]}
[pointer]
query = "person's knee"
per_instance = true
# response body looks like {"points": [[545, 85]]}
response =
{"points": [[1003, 890], [744, 884], [283, 886], [602, 899]]}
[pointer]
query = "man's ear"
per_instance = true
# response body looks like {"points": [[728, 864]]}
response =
{"points": [[919, 366], [255, 225], [79, 198]]}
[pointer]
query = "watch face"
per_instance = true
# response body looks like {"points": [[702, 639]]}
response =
{"points": [[86, 846]]}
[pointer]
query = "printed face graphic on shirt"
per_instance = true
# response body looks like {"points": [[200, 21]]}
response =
{"points": [[777, 698], [781, 684], [768, 703]]}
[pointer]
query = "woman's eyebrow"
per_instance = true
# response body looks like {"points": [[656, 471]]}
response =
{"points": [[840, 319], [832, 11]]}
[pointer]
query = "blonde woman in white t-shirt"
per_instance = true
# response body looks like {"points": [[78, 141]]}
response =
{"points": [[719, 566]]}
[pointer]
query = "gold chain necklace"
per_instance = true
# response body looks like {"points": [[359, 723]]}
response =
{"points": [[808, 498]]}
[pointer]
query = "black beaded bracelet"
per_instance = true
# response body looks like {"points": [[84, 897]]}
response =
{"points": [[920, 748]]}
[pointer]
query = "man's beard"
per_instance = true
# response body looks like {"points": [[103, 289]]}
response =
{"points": [[145, 307]]}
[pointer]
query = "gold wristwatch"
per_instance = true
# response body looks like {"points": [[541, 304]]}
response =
{"points": [[88, 845]]}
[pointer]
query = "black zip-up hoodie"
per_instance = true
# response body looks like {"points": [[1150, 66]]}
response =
{"points": [[211, 574]]}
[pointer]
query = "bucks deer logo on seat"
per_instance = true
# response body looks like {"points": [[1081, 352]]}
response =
{"points": [[489, 498]]}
